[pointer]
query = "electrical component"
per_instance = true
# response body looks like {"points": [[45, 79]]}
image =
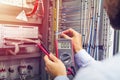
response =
{"points": [[8, 32], [34, 9], [40, 45], [19, 3], [19, 31], [11, 70], [36, 6], [30, 70], [45, 51], [64, 51], [22, 70], [3, 72]]}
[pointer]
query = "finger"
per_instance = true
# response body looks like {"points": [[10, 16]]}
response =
{"points": [[68, 31], [47, 60], [65, 36], [53, 58], [47, 70]]}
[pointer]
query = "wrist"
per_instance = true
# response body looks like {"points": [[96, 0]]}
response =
{"points": [[77, 50], [62, 75]]}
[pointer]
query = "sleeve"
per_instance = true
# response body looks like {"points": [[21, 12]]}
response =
{"points": [[82, 58], [61, 78], [108, 69]]}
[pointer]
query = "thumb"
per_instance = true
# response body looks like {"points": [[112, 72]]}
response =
{"points": [[47, 60], [53, 58]]}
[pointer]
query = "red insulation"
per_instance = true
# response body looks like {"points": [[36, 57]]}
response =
{"points": [[35, 8]]}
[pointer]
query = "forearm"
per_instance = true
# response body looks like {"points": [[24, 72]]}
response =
{"points": [[82, 58]]}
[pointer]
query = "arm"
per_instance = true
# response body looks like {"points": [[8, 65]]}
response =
{"points": [[83, 59]]}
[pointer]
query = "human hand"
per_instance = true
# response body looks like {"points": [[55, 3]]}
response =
{"points": [[75, 37], [54, 66]]}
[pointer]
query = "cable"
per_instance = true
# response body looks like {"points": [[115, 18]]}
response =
{"points": [[73, 68], [98, 28], [16, 44], [40, 45], [43, 49], [34, 9], [70, 71], [17, 49], [42, 10]]}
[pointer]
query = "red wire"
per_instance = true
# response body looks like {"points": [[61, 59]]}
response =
{"points": [[42, 10], [56, 43], [42, 48], [34, 9], [42, 5], [70, 71]]}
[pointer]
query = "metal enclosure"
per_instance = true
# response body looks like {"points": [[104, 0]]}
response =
{"points": [[23, 19]]}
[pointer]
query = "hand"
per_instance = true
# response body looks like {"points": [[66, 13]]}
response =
{"points": [[75, 37], [54, 66]]}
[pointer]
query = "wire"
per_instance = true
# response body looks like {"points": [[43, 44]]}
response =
{"points": [[23, 40], [70, 71], [42, 10], [98, 28], [73, 68], [34, 9], [43, 49]]}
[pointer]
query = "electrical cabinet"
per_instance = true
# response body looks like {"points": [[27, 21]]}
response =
{"points": [[24, 19]]}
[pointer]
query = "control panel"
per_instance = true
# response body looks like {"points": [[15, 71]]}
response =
{"points": [[20, 69], [19, 60], [20, 21]]}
